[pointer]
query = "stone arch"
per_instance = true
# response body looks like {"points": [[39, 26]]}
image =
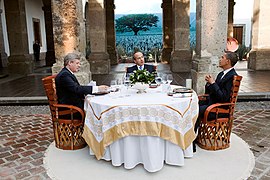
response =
{"points": [[175, 34]]}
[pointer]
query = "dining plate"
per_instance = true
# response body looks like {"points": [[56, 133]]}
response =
{"points": [[100, 93], [182, 90], [153, 85]]}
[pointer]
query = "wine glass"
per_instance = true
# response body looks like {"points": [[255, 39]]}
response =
{"points": [[126, 80], [113, 85], [158, 79], [119, 82], [164, 79], [169, 78], [119, 86]]}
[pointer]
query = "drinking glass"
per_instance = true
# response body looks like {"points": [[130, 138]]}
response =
{"points": [[158, 79], [113, 85], [119, 82], [164, 79], [169, 78], [120, 86], [126, 81]]}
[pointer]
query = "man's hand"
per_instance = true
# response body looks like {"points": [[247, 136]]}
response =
{"points": [[209, 79], [103, 88]]}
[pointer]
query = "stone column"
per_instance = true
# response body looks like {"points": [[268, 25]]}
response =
{"points": [[211, 34], [98, 58], [50, 56], [260, 52], [87, 30], [69, 35], [167, 30], [3, 56], [110, 28], [181, 55], [230, 18], [19, 61]]}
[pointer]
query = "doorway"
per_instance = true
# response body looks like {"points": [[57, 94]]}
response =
{"points": [[36, 30]]}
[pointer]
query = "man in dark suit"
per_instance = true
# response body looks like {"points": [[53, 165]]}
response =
{"points": [[219, 90], [36, 48], [139, 61], [68, 89]]}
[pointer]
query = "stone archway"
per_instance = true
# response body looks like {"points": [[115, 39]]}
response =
{"points": [[176, 46]]}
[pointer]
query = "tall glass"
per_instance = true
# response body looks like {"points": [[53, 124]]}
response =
{"points": [[126, 82], [158, 79], [120, 86], [113, 86], [169, 78], [164, 79]]}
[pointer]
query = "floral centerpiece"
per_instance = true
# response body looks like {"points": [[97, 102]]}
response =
{"points": [[141, 79], [142, 76]]}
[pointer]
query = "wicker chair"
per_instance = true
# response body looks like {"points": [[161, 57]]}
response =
{"points": [[67, 132], [215, 134]]}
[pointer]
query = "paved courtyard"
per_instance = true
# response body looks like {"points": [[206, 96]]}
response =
{"points": [[26, 132]]}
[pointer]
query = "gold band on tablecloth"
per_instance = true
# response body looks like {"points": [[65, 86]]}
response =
{"points": [[138, 128], [100, 116]]}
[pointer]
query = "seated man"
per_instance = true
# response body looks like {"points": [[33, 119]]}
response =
{"points": [[219, 90], [68, 89], [139, 61]]}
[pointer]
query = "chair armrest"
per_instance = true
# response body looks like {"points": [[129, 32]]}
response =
{"points": [[203, 97], [69, 109], [217, 108]]}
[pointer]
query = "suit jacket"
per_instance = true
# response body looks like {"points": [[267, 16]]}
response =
{"points": [[148, 67], [220, 91], [68, 89]]}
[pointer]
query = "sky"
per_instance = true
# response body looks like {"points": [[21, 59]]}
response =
{"points": [[242, 7]]}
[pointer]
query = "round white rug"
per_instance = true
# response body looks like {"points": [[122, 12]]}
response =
{"points": [[235, 162]]}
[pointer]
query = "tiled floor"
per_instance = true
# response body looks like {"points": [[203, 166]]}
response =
{"points": [[23, 141], [25, 138], [31, 85]]}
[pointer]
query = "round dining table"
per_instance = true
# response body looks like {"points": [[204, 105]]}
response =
{"points": [[130, 128]]}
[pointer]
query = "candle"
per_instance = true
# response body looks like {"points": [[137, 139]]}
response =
{"points": [[189, 83]]}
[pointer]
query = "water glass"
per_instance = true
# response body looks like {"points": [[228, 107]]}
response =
{"points": [[164, 79], [158, 80], [113, 85], [166, 88], [169, 78]]}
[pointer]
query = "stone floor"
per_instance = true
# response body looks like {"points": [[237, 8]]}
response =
{"points": [[31, 85], [26, 132]]}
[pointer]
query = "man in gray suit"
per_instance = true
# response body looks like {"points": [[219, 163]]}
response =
{"points": [[69, 91]]}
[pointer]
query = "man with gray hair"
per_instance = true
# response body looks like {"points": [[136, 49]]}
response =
{"points": [[68, 89]]}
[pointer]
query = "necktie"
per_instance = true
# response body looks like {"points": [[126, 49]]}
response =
{"points": [[140, 67], [220, 76]]}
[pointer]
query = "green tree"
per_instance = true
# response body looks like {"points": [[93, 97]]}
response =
{"points": [[136, 23]]}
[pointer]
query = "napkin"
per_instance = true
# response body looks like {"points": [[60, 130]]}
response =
{"points": [[92, 83], [182, 95]]}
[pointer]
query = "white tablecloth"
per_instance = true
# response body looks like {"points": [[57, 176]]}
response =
{"points": [[147, 128]]}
